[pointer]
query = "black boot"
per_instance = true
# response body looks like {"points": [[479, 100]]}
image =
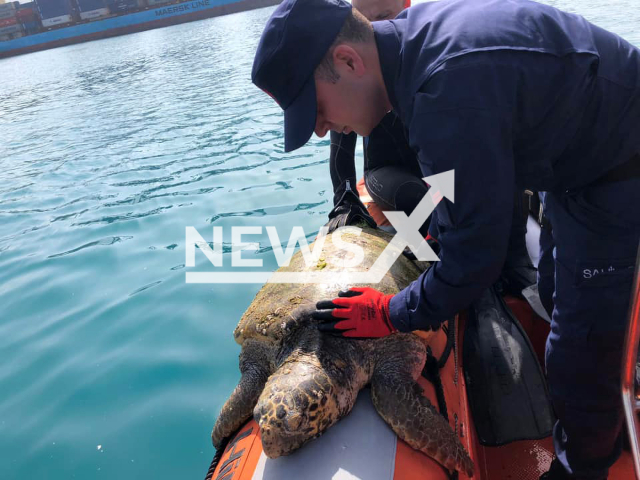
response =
{"points": [[556, 472]]}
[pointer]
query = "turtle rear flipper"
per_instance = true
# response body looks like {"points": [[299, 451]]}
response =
{"points": [[256, 364], [399, 400]]}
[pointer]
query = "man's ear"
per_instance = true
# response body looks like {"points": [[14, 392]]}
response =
{"points": [[346, 59]]}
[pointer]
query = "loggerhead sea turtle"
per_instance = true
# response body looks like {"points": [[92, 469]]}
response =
{"points": [[297, 382]]}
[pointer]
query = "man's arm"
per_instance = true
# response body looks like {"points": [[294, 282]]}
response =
{"points": [[342, 163], [469, 131], [348, 209]]}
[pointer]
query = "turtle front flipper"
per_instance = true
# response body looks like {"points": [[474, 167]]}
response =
{"points": [[399, 400], [256, 364]]}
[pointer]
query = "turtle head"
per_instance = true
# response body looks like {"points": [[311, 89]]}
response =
{"points": [[288, 424], [297, 404]]}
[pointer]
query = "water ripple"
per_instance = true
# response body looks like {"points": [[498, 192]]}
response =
{"points": [[123, 218], [279, 210], [101, 242], [146, 287]]}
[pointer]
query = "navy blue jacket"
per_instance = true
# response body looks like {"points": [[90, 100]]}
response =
{"points": [[508, 93]]}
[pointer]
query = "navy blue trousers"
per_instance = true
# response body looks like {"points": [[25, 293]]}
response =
{"points": [[595, 235]]}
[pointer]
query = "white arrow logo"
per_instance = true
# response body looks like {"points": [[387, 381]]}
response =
{"points": [[442, 185]]}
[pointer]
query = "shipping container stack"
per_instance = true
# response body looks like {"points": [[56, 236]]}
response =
{"points": [[92, 9], [29, 18], [10, 27], [124, 6], [55, 12], [158, 2]]}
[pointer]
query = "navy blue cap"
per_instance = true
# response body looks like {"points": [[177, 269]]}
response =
{"points": [[293, 43]]}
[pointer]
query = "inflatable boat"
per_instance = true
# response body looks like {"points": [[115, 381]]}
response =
{"points": [[484, 375]]}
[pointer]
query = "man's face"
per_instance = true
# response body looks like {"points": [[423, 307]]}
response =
{"points": [[333, 113], [345, 106], [376, 10], [349, 104]]}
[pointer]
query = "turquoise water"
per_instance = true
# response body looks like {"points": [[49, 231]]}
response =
{"points": [[112, 366]]}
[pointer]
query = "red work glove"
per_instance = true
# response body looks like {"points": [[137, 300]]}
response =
{"points": [[360, 312]]}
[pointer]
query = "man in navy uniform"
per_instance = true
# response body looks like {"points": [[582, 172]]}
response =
{"points": [[510, 95], [393, 177]]}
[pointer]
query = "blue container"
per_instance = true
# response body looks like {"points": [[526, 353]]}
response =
{"points": [[10, 30], [7, 11], [31, 28], [53, 8], [118, 6], [90, 5]]}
